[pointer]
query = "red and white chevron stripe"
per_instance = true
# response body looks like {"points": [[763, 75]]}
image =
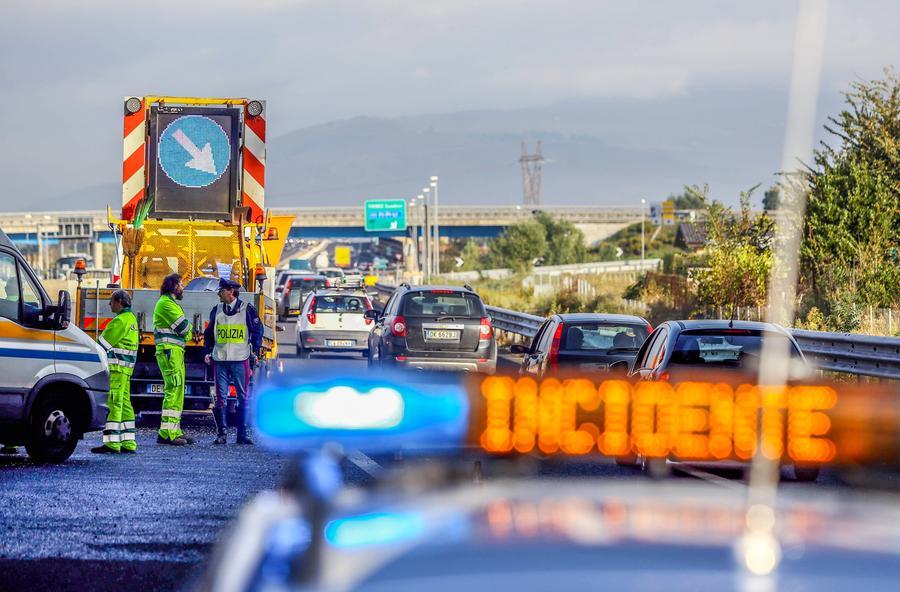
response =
{"points": [[134, 178], [253, 181]]}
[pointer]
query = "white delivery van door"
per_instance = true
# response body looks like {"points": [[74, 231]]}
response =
{"points": [[27, 354]]}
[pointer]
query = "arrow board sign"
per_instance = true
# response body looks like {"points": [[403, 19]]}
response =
{"points": [[190, 148], [195, 161]]}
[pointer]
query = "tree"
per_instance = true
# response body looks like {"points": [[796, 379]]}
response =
{"points": [[518, 246], [739, 257], [851, 232], [688, 200], [771, 199], [565, 242], [471, 256]]}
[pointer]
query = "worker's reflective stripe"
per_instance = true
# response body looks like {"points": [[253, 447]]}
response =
{"points": [[177, 323], [168, 426], [118, 362], [171, 413], [126, 437], [123, 352], [128, 425], [113, 438], [106, 345], [169, 338]]}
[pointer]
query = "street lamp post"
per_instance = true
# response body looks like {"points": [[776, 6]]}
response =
{"points": [[414, 251], [643, 201], [425, 196], [436, 259]]}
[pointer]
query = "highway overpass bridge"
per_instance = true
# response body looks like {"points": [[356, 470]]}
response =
{"points": [[597, 222]]}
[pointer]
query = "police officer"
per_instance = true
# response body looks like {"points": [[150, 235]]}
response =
{"points": [[120, 340], [232, 341], [171, 331]]}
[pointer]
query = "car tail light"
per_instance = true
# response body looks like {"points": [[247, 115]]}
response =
{"points": [[664, 376], [486, 329], [369, 307], [311, 315], [398, 327], [553, 356], [400, 358], [649, 329]]}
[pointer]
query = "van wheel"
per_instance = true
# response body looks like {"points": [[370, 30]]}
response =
{"points": [[53, 435]]}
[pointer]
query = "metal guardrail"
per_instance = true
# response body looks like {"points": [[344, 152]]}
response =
{"points": [[865, 355], [862, 355], [519, 323]]}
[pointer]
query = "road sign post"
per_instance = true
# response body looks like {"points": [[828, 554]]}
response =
{"points": [[385, 215]]}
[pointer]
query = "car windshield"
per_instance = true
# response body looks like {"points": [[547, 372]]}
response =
{"points": [[333, 273], [202, 284], [729, 348], [443, 303], [341, 303], [603, 336]]}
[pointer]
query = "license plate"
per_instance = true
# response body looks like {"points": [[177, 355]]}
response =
{"points": [[339, 343], [441, 335], [155, 389]]}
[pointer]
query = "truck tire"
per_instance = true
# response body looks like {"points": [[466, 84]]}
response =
{"points": [[53, 433]]}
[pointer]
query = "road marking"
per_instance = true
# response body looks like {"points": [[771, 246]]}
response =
{"points": [[365, 464]]}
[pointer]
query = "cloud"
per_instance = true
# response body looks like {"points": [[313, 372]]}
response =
{"points": [[66, 65]]}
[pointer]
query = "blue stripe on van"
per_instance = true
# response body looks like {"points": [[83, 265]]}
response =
{"points": [[49, 355]]}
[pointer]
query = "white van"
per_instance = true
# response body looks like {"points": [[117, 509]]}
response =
{"points": [[54, 379]]}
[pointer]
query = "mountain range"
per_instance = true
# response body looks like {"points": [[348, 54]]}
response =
{"points": [[607, 151]]}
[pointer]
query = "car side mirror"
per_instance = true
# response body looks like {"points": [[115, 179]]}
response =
{"points": [[372, 314], [518, 348], [63, 313]]}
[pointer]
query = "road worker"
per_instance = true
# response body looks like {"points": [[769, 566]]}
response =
{"points": [[120, 339], [171, 331], [232, 341]]}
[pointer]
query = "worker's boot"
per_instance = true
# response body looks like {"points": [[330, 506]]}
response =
{"points": [[219, 416], [241, 420]]}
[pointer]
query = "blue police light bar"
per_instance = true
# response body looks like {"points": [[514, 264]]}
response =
{"points": [[372, 414]]}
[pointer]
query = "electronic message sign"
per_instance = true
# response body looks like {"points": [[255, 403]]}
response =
{"points": [[194, 160]]}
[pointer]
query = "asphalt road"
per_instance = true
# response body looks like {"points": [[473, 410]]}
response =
{"points": [[149, 521]]}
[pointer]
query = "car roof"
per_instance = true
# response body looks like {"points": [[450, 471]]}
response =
{"points": [[650, 520], [334, 292], [430, 288], [576, 317], [688, 325]]}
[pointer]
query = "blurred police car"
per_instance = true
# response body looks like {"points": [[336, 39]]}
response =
{"points": [[437, 526]]}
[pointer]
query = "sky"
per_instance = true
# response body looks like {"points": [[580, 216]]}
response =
{"points": [[67, 65]]}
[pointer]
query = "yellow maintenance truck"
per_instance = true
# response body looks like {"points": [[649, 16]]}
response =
{"points": [[192, 204]]}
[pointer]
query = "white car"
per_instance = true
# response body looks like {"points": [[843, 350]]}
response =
{"points": [[334, 320]]}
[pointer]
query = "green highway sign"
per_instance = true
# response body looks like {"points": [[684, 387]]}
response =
{"points": [[385, 214]]}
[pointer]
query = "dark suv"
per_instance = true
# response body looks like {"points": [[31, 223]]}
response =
{"points": [[433, 328]]}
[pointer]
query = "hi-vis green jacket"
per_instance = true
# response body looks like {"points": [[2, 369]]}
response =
{"points": [[120, 340], [170, 328]]}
